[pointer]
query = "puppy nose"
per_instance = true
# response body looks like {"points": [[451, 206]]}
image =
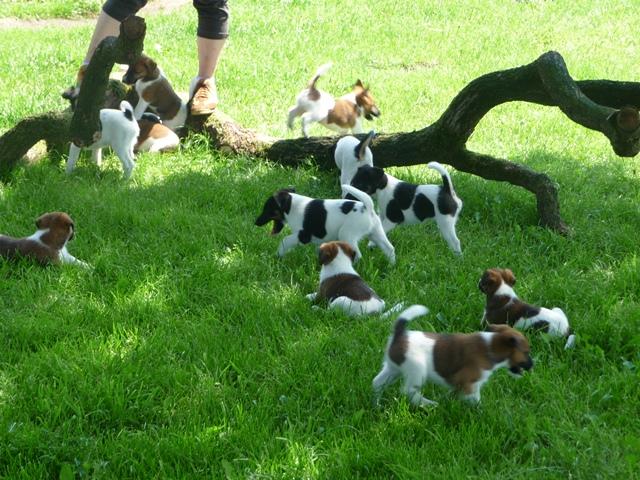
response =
{"points": [[529, 364]]}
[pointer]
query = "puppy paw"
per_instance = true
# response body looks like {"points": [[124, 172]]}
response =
{"points": [[311, 296]]}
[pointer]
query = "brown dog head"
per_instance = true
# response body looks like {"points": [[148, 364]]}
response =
{"points": [[143, 68], [365, 101], [329, 251], [60, 229], [509, 344], [492, 278]]}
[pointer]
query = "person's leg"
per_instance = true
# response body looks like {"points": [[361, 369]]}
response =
{"points": [[108, 24], [213, 30]]}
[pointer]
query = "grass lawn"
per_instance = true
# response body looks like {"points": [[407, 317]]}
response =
{"points": [[189, 351], [36, 9]]}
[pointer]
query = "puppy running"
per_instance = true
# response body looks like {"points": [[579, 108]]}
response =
{"points": [[317, 221], [155, 91], [351, 154], [119, 131], [48, 245], [463, 362], [340, 284], [340, 115], [504, 307], [408, 204]]}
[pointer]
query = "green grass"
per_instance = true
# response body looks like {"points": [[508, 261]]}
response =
{"points": [[189, 351], [34, 9]]}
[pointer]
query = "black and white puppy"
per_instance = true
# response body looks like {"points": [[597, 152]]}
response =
{"points": [[318, 221], [340, 284], [351, 154], [119, 131], [504, 307], [463, 362], [405, 203]]}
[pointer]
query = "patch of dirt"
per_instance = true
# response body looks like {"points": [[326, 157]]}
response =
{"points": [[152, 8]]}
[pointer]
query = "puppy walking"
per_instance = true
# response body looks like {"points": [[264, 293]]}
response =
{"points": [[318, 221], [403, 203], [340, 284], [463, 362], [119, 131], [504, 307], [47, 245], [341, 115]]}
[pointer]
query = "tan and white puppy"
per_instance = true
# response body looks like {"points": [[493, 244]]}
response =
{"points": [[340, 284], [154, 136], [351, 154], [47, 245], [463, 362], [155, 91], [119, 131], [342, 115], [504, 307]]}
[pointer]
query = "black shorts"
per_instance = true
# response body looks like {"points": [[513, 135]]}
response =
{"points": [[213, 15]]}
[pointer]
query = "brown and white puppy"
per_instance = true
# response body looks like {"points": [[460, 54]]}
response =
{"points": [[504, 307], [340, 284], [155, 91], [154, 136], [340, 115], [47, 245], [463, 362]]}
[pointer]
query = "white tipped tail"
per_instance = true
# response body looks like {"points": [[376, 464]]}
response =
{"points": [[360, 195], [127, 109], [446, 179], [412, 312], [322, 70]]}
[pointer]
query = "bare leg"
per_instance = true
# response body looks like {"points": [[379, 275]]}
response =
{"points": [[209, 50], [106, 26]]}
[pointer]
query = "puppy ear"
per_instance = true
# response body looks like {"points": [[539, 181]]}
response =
{"points": [[283, 199], [508, 277], [487, 283], [379, 177], [496, 327], [43, 221], [359, 84], [350, 252], [364, 144], [327, 253]]}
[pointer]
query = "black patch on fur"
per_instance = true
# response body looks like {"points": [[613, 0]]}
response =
{"points": [[128, 114], [446, 203], [350, 197], [314, 222], [369, 179], [394, 212], [151, 117], [541, 325], [423, 207], [404, 194], [346, 207]]}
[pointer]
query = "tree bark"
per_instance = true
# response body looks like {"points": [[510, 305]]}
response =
{"points": [[610, 107]]}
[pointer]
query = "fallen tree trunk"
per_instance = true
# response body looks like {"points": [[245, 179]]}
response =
{"points": [[606, 106], [609, 107]]}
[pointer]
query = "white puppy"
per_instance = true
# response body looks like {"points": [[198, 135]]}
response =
{"points": [[119, 131], [351, 154], [405, 203], [341, 115], [463, 362], [317, 221]]}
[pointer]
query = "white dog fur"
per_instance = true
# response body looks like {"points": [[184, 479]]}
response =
{"points": [[351, 154], [318, 221], [119, 131]]}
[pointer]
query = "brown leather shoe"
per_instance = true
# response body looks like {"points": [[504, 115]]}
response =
{"points": [[205, 97]]}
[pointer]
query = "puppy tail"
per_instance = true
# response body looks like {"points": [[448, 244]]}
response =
{"points": [[320, 72], [361, 148], [405, 317], [360, 195], [127, 109], [446, 179]]}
